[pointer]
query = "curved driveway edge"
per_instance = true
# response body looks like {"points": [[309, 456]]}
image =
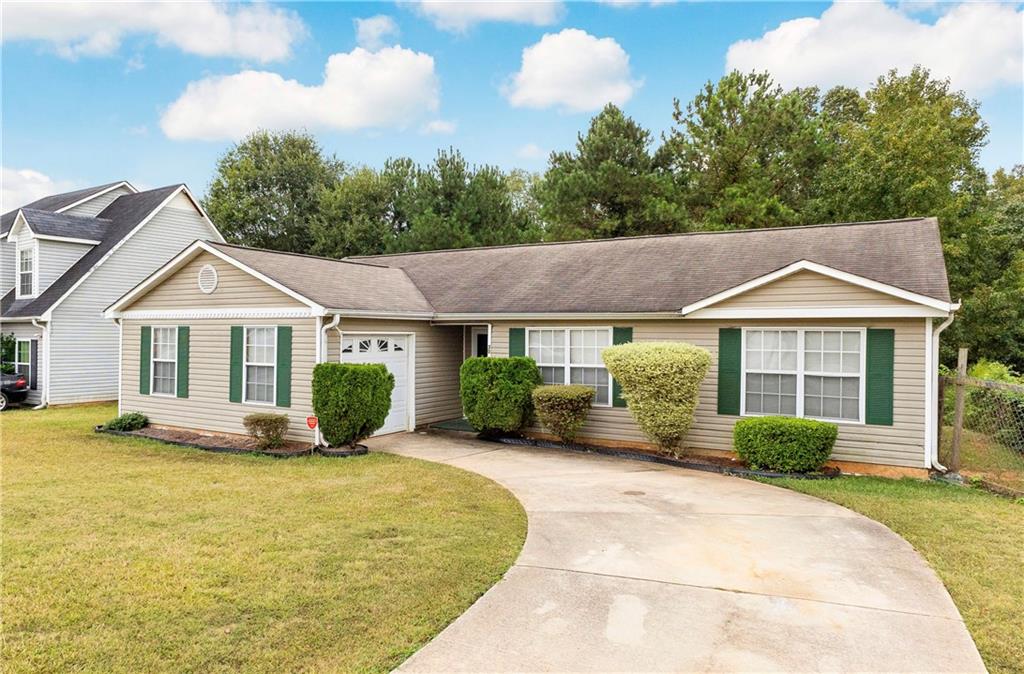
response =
{"points": [[632, 566]]}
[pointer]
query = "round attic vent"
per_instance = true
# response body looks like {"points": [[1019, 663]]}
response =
{"points": [[207, 279]]}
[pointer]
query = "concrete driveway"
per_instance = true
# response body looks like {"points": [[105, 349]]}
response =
{"points": [[630, 567]]}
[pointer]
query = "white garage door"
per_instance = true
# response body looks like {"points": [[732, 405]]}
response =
{"points": [[393, 352]]}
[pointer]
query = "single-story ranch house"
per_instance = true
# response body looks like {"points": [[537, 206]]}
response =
{"points": [[835, 322]]}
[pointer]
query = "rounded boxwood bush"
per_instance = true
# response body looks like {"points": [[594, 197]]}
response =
{"points": [[563, 408], [659, 383], [784, 444], [496, 393], [129, 421], [266, 428], [351, 400]]}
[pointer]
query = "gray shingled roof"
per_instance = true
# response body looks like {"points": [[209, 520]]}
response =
{"points": [[335, 284], [666, 273], [123, 215], [52, 203], [68, 226]]}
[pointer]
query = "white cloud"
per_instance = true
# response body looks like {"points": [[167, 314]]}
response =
{"points": [[22, 186], [531, 151], [371, 32], [252, 31], [461, 16], [574, 71], [361, 90], [978, 46], [438, 126]]}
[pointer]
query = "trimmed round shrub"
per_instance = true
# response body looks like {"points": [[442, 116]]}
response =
{"points": [[784, 444], [351, 400], [659, 383], [563, 408], [496, 393], [129, 421], [266, 428]]}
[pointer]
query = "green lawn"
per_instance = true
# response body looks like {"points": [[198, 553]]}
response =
{"points": [[130, 555], [973, 539]]}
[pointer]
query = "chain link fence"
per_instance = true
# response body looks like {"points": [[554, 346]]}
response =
{"points": [[983, 440]]}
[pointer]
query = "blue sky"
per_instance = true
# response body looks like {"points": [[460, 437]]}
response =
{"points": [[154, 95]]}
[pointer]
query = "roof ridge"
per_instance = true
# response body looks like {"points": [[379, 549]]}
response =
{"points": [[305, 255], [353, 258]]}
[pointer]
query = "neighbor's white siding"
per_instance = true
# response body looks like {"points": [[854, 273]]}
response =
{"points": [[97, 204], [6, 266], [55, 258], [84, 356]]}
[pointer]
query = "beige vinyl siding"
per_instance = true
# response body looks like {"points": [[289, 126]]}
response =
{"points": [[235, 289], [438, 358], [901, 444], [97, 204], [810, 289], [207, 407], [55, 258]]}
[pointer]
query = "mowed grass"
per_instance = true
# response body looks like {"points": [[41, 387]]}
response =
{"points": [[130, 555], [973, 539]]}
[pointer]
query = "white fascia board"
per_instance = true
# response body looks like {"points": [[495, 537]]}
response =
{"points": [[66, 239], [586, 316], [123, 183], [213, 313], [202, 213], [807, 265], [819, 312], [370, 313]]}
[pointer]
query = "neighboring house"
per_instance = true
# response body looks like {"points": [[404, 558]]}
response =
{"points": [[65, 258], [837, 322]]}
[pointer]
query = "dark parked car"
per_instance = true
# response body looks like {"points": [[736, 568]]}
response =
{"points": [[13, 389]]}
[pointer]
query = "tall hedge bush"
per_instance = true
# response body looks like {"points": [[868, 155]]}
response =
{"points": [[563, 408], [784, 444], [351, 400], [659, 383], [496, 393]]}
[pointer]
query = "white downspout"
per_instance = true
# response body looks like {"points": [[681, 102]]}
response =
{"points": [[489, 339], [120, 361], [934, 376], [321, 356], [46, 369]]}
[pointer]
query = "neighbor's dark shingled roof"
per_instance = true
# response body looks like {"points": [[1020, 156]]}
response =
{"points": [[61, 224], [123, 214], [666, 273], [54, 202], [335, 284]]}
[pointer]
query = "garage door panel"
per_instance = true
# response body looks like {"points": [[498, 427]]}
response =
{"points": [[392, 351]]}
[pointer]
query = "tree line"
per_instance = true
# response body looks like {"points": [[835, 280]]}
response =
{"points": [[743, 153]]}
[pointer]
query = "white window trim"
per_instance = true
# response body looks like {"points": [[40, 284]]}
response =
{"points": [[28, 363], [34, 246], [153, 361], [245, 367], [800, 372], [567, 365]]}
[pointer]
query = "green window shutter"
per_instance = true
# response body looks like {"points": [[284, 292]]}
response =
{"points": [[237, 346], [182, 361], [730, 357], [284, 366], [145, 354], [879, 387], [517, 341], [620, 336]]}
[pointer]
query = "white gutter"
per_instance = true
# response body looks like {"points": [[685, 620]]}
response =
{"points": [[933, 375], [321, 356], [46, 370]]}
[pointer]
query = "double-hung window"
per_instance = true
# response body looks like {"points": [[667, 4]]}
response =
{"points": [[165, 360], [572, 356], [260, 364], [23, 359], [27, 272], [817, 373]]}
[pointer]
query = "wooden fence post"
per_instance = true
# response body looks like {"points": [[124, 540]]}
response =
{"points": [[958, 418]]}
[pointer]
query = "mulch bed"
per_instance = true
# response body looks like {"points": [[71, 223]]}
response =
{"points": [[232, 444]]}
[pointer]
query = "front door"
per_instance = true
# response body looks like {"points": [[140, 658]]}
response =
{"points": [[479, 342], [392, 351]]}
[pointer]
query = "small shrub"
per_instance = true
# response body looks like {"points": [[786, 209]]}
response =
{"points": [[659, 383], [267, 429], [129, 421], [784, 444], [496, 393], [563, 409], [351, 400]]}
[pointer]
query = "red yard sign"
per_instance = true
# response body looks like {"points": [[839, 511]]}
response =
{"points": [[311, 422]]}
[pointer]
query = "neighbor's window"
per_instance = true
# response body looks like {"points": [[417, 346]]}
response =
{"points": [[26, 272], [260, 364], [165, 360], [572, 356], [804, 373], [23, 359]]}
